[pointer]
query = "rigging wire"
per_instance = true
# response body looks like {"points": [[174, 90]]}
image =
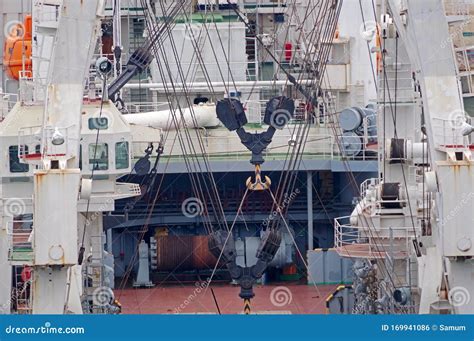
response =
{"points": [[297, 149], [177, 125], [86, 219], [178, 131], [370, 228], [215, 200], [368, 44], [354, 184], [287, 74], [393, 111], [301, 129]]}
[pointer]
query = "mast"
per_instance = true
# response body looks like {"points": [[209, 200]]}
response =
{"points": [[420, 211], [57, 181], [446, 265]]}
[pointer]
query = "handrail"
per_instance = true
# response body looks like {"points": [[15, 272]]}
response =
{"points": [[371, 242]]}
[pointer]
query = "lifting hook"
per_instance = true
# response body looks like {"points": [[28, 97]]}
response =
{"points": [[258, 185]]}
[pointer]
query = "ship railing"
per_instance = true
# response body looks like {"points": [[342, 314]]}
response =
{"points": [[368, 184], [141, 107], [258, 107], [215, 72], [7, 101], [33, 149], [218, 147], [256, 112], [372, 183], [371, 242], [317, 146], [20, 241], [32, 90], [24, 306], [340, 54], [448, 132], [364, 148]]}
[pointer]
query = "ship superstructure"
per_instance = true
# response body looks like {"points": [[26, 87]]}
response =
{"points": [[158, 163], [411, 227]]}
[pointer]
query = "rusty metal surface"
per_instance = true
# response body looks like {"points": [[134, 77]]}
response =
{"points": [[202, 257], [181, 253]]}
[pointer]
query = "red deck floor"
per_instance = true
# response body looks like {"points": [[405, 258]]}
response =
{"points": [[286, 298]]}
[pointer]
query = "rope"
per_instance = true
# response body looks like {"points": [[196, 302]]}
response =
{"points": [[296, 245], [229, 234], [82, 249]]}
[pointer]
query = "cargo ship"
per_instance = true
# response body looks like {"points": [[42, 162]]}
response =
{"points": [[236, 157]]}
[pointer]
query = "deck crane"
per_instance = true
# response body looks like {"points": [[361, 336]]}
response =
{"points": [[58, 179], [420, 212], [52, 127], [278, 113], [230, 111], [446, 266], [142, 57]]}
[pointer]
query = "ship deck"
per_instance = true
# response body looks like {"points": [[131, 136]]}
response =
{"points": [[269, 299]]}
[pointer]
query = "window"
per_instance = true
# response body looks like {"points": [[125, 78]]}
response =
{"points": [[121, 155], [15, 165], [98, 156], [98, 123]]}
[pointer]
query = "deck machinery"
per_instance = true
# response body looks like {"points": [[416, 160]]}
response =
{"points": [[62, 157], [412, 227], [411, 230]]}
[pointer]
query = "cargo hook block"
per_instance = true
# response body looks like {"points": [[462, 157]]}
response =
{"points": [[278, 112], [222, 246]]}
